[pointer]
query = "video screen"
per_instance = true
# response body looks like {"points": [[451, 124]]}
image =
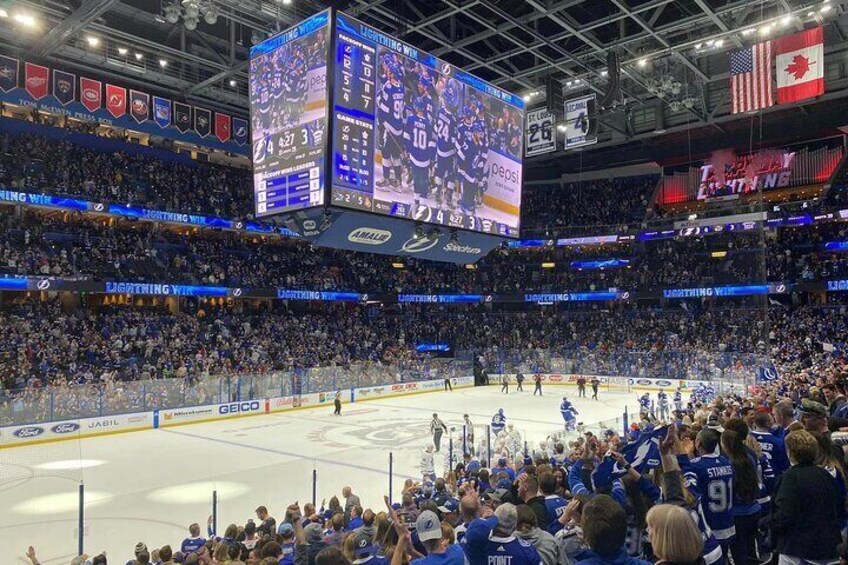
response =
{"points": [[288, 113], [417, 138]]}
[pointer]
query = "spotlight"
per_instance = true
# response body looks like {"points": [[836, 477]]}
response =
{"points": [[3, 13], [604, 73], [25, 20], [698, 45], [786, 20], [190, 23], [93, 41], [163, 63], [765, 30], [642, 63], [139, 56], [710, 42], [826, 8], [233, 82], [210, 14], [719, 43], [123, 50], [287, 2], [192, 8], [562, 128], [527, 98], [748, 31]]}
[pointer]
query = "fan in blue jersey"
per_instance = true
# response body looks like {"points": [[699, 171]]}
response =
{"points": [[709, 477], [678, 400], [445, 130], [390, 106], [645, 405], [420, 146], [569, 414], [662, 402], [498, 421], [469, 153]]}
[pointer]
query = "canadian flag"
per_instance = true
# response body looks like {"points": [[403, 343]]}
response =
{"points": [[799, 62]]}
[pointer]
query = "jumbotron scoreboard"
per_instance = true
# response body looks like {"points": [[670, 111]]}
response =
{"points": [[347, 119]]}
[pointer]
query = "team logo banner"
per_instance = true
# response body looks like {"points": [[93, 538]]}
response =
{"points": [[91, 94], [161, 111], [139, 106], [540, 133], [36, 80], [116, 100], [202, 122], [64, 87], [9, 69], [222, 127], [182, 116], [239, 131]]}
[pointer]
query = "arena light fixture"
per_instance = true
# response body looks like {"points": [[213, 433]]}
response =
{"points": [[765, 30], [748, 31], [786, 20], [548, 265], [718, 254], [139, 56], [123, 50], [4, 13], [287, 2], [233, 82], [826, 8], [163, 63], [93, 41], [398, 265], [24, 19], [642, 63]]}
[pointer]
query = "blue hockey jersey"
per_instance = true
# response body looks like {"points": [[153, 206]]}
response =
{"points": [[468, 155], [774, 450], [390, 104], [556, 507], [482, 548], [498, 422], [418, 140], [445, 133], [710, 479]]}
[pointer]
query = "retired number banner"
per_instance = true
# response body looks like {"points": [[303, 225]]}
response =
{"points": [[540, 136]]}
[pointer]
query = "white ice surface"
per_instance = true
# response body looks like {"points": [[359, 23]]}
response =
{"points": [[149, 486]]}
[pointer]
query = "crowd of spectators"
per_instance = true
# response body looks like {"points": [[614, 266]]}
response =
{"points": [[81, 247], [754, 476]]}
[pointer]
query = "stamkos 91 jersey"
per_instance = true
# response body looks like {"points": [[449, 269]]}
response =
{"points": [[391, 106], [710, 479]]}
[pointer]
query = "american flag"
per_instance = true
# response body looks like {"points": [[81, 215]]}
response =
{"points": [[751, 78]]}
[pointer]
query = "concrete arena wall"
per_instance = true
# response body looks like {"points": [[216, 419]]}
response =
{"points": [[65, 430]]}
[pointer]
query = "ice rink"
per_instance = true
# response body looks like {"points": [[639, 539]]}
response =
{"points": [[149, 486]]}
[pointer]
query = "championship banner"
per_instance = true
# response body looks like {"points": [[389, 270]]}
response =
{"points": [[64, 87], [580, 121], [182, 116], [9, 70], [239, 131], [202, 121], [161, 111], [36, 80], [222, 127], [139, 106], [91, 94], [539, 133], [116, 100]]}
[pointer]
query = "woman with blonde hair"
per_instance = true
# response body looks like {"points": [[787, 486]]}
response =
{"points": [[675, 538]]}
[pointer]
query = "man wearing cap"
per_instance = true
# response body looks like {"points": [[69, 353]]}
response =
{"points": [[429, 532], [286, 531], [309, 540], [450, 512], [365, 552], [813, 416], [492, 541]]}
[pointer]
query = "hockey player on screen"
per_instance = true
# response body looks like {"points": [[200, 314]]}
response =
{"points": [[498, 421], [390, 106], [662, 402], [469, 153], [420, 146], [445, 130], [569, 414]]}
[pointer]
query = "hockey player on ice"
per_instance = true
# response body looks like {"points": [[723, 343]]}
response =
{"points": [[514, 443], [569, 414], [645, 405], [428, 465], [498, 421], [662, 401], [678, 400]]}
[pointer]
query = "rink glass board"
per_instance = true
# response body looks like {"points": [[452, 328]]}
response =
{"points": [[417, 138], [288, 112]]}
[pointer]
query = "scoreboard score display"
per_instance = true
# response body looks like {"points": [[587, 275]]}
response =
{"points": [[288, 103], [349, 118]]}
